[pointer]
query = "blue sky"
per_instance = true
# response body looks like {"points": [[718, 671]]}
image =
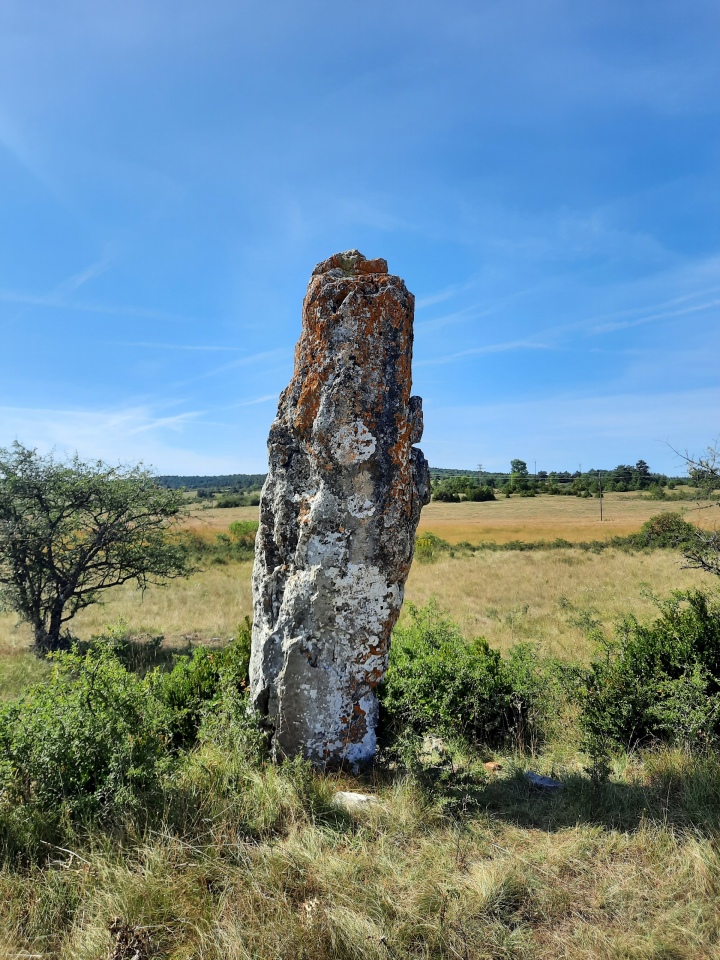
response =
{"points": [[544, 176]]}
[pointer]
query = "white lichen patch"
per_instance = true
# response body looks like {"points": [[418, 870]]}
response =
{"points": [[326, 550], [360, 507], [365, 598], [353, 444]]}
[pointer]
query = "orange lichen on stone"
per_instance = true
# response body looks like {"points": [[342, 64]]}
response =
{"points": [[339, 513]]}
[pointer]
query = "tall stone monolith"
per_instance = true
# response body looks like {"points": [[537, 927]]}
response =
{"points": [[338, 515]]}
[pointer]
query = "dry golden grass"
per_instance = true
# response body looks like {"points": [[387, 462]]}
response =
{"points": [[542, 518], [543, 596], [506, 596], [216, 520], [547, 596], [207, 606], [514, 518], [269, 870]]}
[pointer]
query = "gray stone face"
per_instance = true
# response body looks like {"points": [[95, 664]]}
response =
{"points": [[338, 515]]}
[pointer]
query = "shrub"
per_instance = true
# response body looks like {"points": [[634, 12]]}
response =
{"points": [[446, 496], [196, 684], [479, 494], [538, 690], [95, 745], [244, 532], [428, 547], [439, 681], [89, 742], [665, 530], [657, 681], [237, 544]]}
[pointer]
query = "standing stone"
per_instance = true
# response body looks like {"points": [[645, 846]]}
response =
{"points": [[338, 515]]}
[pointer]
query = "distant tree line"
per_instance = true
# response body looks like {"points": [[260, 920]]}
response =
{"points": [[452, 486], [226, 486], [231, 481]]}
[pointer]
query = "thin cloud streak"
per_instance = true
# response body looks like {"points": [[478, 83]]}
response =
{"points": [[58, 303], [422, 303], [251, 403], [240, 362], [667, 315], [459, 316], [56, 297], [477, 351]]}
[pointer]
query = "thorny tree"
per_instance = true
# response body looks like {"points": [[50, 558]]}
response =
{"points": [[70, 529], [703, 552]]}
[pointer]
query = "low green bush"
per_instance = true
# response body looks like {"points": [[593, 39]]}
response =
{"points": [[91, 741], [479, 494], [429, 547], [437, 681], [96, 741], [197, 682], [229, 500], [664, 531], [657, 681], [237, 544]]}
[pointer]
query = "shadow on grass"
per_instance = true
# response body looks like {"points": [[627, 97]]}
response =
{"points": [[678, 791], [142, 653]]}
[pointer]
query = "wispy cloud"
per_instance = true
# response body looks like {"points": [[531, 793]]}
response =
{"points": [[76, 428], [55, 301], [487, 348], [232, 365], [612, 326], [251, 403], [57, 297], [458, 316], [422, 303], [124, 434]]}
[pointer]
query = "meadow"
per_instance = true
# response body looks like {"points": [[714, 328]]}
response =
{"points": [[522, 518], [458, 856], [545, 596]]}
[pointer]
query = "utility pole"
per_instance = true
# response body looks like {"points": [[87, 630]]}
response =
{"points": [[480, 470], [599, 474]]}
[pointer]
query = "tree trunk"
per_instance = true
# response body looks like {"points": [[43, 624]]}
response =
{"points": [[48, 639]]}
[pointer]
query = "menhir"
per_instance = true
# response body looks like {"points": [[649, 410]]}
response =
{"points": [[338, 515]]}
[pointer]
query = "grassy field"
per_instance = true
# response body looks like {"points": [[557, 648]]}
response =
{"points": [[546, 596], [455, 861], [269, 869], [513, 518], [543, 596]]}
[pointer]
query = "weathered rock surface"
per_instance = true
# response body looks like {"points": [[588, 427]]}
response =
{"points": [[338, 515]]}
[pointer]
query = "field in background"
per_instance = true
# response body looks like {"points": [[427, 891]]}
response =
{"points": [[550, 597], [514, 518], [546, 596], [543, 518]]}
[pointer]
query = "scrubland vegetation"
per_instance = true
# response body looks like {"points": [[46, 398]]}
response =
{"points": [[141, 818]]}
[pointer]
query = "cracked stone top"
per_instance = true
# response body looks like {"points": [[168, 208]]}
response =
{"points": [[350, 264]]}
